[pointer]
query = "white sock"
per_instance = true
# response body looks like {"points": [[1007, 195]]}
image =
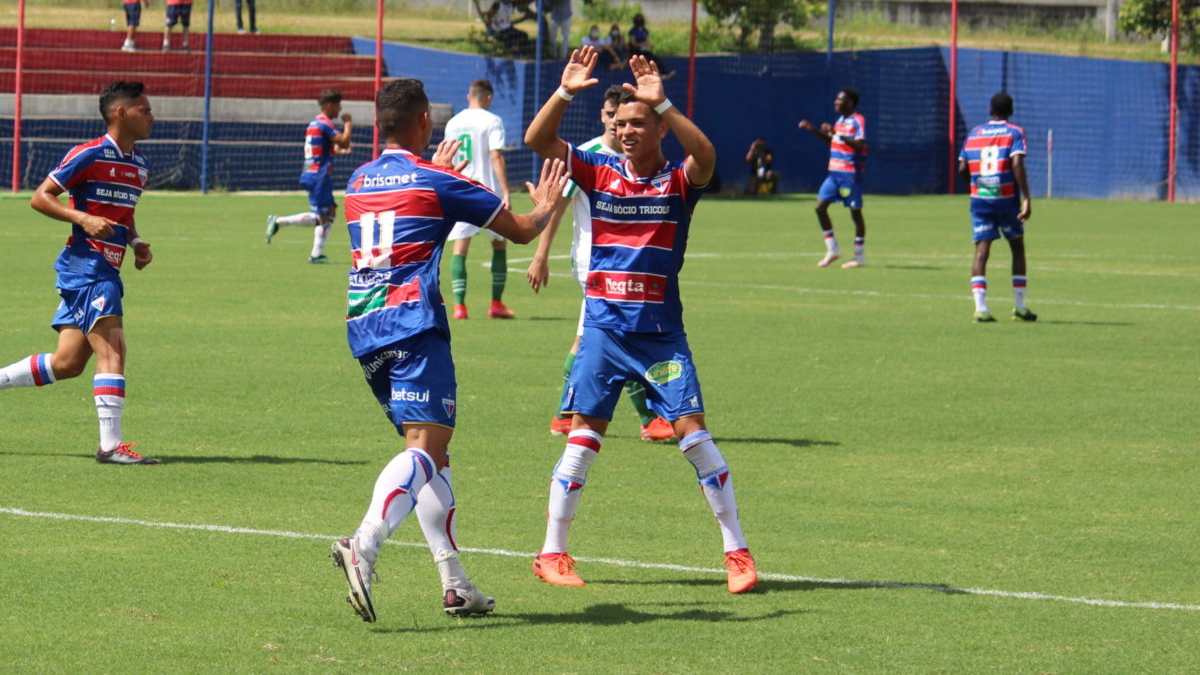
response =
{"points": [[831, 244], [393, 498], [436, 514], [109, 392], [717, 485], [566, 486], [979, 291], [31, 371], [860, 247], [308, 219], [1019, 282], [320, 234]]}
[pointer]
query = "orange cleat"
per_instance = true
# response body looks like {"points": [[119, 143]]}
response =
{"points": [[460, 311], [560, 427], [742, 573], [555, 568], [499, 311], [659, 431]]}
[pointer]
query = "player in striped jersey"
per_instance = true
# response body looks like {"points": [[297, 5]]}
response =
{"points": [[399, 210], [654, 428], [321, 142], [105, 178], [847, 141], [993, 162], [641, 209]]}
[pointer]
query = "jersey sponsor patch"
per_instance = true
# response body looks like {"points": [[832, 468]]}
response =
{"points": [[626, 286]]}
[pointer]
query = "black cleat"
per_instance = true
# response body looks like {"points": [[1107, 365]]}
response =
{"points": [[123, 455]]}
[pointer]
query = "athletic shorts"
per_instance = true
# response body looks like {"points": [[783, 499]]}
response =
{"points": [[466, 230], [413, 380], [179, 13], [83, 307], [320, 191], [607, 358], [989, 226], [133, 13], [842, 187]]}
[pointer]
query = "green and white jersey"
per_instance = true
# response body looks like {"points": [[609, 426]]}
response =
{"points": [[581, 241], [480, 131]]}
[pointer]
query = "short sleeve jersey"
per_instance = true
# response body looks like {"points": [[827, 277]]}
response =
{"points": [[988, 152], [639, 236], [102, 181], [399, 210], [639, 34], [842, 157], [179, 2], [318, 144], [480, 132]]}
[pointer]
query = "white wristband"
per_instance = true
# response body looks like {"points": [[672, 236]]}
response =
{"points": [[135, 241], [564, 95], [663, 107]]}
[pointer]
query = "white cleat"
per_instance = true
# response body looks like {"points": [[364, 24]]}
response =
{"points": [[467, 601], [851, 264], [828, 259], [358, 571]]}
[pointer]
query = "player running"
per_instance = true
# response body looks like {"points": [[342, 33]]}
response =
{"points": [[321, 142], [399, 209], [481, 134], [641, 209], [847, 141], [993, 162], [654, 428], [105, 178]]}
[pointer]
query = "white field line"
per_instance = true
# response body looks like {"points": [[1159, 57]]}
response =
{"points": [[283, 534]]}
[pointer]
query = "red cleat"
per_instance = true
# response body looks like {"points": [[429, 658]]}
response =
{"points": [[555, 568], [560, 427], [742, 573], [460, 311], [659, 430], [499, 311]]}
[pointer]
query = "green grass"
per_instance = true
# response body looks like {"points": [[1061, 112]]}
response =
{"points": [[875, 435]]}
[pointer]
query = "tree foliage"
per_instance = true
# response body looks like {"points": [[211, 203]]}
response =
{"points": [[761, 16], [1152, 19]]}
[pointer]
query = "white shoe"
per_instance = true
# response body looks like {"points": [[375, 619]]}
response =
{"points": [[829, 258], [857, 262], [467, 601], [128, 47], [358, 571]]}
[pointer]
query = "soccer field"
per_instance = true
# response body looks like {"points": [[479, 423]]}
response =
{"points": [[922, 494]]}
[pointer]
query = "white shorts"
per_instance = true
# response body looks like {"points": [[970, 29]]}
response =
{"points": [[467, 230]]}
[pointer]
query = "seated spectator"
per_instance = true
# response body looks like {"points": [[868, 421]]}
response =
{"points": [[763, 180], [639, 43], [609, 58], [617, 42], [500, 26]]}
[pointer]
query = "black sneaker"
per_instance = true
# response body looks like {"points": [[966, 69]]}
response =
{"points": [[1024, 316], [123, 455], [319, 260]]}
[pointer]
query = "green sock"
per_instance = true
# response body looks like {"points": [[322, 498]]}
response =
{"points": [[458, 278], [637, 396], [567, 366], [499, 272]]}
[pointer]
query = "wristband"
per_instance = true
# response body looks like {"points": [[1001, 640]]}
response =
{"points": [[664, 106], [564, 95], [135, 241]]}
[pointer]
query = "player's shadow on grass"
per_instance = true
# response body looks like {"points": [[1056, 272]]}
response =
{"points": [[794, 442], [253, 459], [795, 585], [1086, 323], [918, 268]]}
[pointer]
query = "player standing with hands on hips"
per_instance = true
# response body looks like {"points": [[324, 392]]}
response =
{"points": [[633, 326]]}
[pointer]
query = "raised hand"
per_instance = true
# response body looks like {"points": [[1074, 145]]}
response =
{"points": [[551, 185], [444, 155], [577, 76], [347, 118], [649, 89]]}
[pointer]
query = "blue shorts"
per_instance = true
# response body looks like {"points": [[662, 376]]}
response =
{"points": [[320, 191], [607, 358], [413, 380], [83, 307], [133, 13], [989, 226], [179, 13], [842, 187]]}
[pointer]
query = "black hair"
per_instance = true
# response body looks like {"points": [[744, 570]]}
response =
{"points": [[115, 93], [329, 96], [398, 104], [1002, 106], [851, 94], [481, 89], [614, 94], [639, 20]]}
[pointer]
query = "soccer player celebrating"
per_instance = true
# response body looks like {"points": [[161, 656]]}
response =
{"points": [[633, 325], [105, 178], [321, 142], [399, 209], [654, 428], [847, 141], [993, 162], [481, 134]]}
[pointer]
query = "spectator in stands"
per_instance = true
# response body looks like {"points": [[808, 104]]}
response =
{"points": [[762, 180], [560, 24], [500, 26], [178, 11], [133, 17], [639, 44], [618, 46], [237, 8], [609, 57]]}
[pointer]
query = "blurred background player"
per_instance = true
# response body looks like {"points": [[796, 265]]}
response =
{"points": [[178, 11], [847, 141], [993, 162], [762, 179], [237, 8], [481, 134], [105, 178], [133, 18], [633, 328], [397, 329], [654, 428], [321, 142]]}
